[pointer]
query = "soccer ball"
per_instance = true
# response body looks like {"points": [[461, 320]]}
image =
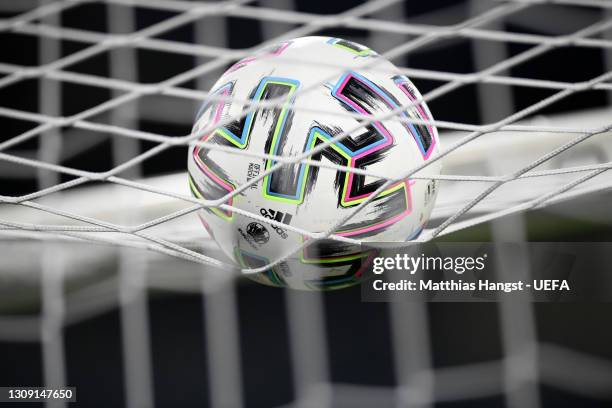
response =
{"points": [[316, 88]]}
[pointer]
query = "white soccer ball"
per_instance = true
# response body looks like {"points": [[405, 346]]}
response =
{"points": [[317, 88]]}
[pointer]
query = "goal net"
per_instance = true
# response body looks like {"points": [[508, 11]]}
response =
{"points": [[97, 99]]}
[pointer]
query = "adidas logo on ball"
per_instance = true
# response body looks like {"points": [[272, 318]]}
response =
{"points": [[278, 216]]}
